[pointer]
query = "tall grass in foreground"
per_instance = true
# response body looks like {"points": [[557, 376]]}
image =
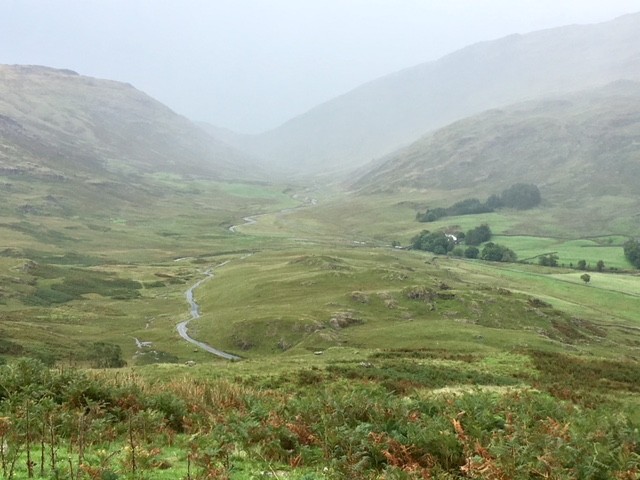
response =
{"points": [[309, 424]]}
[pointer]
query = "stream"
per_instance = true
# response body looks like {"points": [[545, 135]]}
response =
{"points": [[194, 308]]}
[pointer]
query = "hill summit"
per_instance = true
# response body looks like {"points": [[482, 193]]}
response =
{"points": [[57, 123], [390, 112], [585, 142]]}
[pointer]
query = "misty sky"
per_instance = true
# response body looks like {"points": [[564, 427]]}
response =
{"points": [[250, 65]]}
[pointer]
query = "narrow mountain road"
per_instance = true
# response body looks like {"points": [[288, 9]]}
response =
{"points": [[182, 327], [194, 308], [247, 221], [253, 219]]}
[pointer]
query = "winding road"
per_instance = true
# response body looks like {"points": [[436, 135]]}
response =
{"points": [[194, 308], [182, 327], [247, 221]]}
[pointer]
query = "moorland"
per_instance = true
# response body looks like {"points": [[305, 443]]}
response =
{"points": [[358, 356]]}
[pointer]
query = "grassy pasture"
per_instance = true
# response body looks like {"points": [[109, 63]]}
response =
{"points": [[111, 273], [358, 359], [574, 232], [312, 264], [312, 299], [609, 299]]}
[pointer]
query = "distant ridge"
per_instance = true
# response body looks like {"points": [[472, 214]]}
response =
{"points": [[572, 145], [59, 123], [382, 115]]}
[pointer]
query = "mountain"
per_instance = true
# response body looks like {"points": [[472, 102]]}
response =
{"points": [[385, 114], [582, 142], [224, 134], [58, 124]]}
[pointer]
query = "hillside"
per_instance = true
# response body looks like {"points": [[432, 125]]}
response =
{"points": [[572, 145], [387, 113], [58, 124]]}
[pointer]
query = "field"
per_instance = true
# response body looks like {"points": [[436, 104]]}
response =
{"points": [[359, 360]]}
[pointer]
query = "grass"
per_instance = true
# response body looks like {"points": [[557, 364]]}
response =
{"points": [[356, 356], [358, 360], [71, 279], [312, 264], [307, 300], [406, 413]]}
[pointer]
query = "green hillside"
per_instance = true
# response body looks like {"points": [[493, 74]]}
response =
{"points": [[59, 127], [353, 358], [574, 146], [390, 112]]}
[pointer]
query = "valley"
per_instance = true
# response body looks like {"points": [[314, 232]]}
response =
{"points": [[141, 284], [355, 357], [178, 301]]}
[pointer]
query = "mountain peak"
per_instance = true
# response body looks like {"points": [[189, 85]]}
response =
{"points": [[77, 125], [392, 111]]}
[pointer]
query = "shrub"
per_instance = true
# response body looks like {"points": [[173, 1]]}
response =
{"points": [[478, 235], [471, 252], [419, 293], [521, 196], [171, 407], [105, 355], [632, 252], [497, 253], [550, 260]]}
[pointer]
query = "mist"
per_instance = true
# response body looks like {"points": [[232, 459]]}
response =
{"points": [[249, 65]]}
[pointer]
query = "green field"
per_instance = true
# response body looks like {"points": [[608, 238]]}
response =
{"points": [[76, 279], [359, 360]]}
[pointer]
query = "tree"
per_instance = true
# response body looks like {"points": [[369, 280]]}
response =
{"points": [[431, 215], [521, 196], [550, 260], [600, 266], [436, 242], [478, 235], [497, 253], [493, 202], [585, 277], [582, 264], [632, 252], [471, 252], [105, 355]]}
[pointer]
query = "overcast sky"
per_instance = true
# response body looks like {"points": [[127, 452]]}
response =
{"points": [[250, 65]]}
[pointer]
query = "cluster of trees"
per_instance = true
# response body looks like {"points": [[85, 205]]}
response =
{"points": [[441, 243], [583, 265], [551, 260], [478, 235], [494, 252], [632, 252], [436, 242], [470, 206], [520, 196]]}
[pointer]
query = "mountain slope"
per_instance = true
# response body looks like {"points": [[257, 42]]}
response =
{"points": [[392, 111], [581, 142], [60, 124]]}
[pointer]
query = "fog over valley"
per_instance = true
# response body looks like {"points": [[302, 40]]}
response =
{"points": [[249, 65], [319, 240]]}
